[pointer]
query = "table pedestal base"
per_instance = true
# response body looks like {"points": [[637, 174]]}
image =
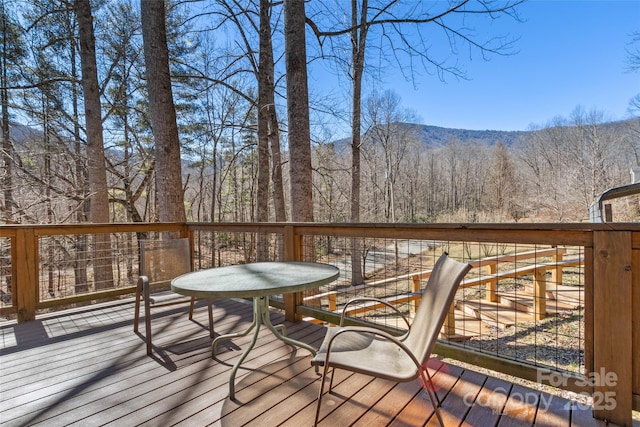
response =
{"points": [[260, 317]]}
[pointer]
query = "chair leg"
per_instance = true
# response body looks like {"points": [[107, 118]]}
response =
{"points": [[147, 318], [333, 371], [209, 304], [320, 393], [431, 382], [435, 401], [136, 315]]}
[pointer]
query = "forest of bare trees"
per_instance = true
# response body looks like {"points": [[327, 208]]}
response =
{"points": [[83, 142]]}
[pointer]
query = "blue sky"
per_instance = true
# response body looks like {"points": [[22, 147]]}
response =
{"points": [[570, 54]]}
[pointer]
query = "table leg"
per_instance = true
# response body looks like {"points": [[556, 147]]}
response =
{"points": [[260, 315], [274, 328], [256, 323], [215, 342]]}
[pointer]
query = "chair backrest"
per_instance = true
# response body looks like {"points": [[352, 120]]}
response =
{"points": [[434, 305], [162, 260]]}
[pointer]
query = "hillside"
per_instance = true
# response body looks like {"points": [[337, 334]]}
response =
{"points": [[435, 136], [430, 136], [438, 136]]}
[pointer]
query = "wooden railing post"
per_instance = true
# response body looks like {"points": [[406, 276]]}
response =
{"points": [[612, 324], [291, 244], [556, 273], [449, 326], [492, 285], [635, 334], [539, 293], [26, 285], [292, 252], [416, 287]]}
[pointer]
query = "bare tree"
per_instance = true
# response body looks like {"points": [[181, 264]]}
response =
{"points": [[571, 161], [395, 20], [545, 160], [163, 114], [298, 112], [122, 96], [268, 132], [592, 145], [12, 51], [389, 130], [251, 52], [503, 184], [633, 58], [99, 199], [93, 115]]}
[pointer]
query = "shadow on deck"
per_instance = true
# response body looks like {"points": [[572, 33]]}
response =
{"points": [[88, 368]]}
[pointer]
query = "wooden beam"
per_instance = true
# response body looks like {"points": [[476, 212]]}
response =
{"points": [[556, 273], [612, 376], [416, 287], [26, 284], [449, 326], [491, 294], [539, 293], [588, 309], [635, 309], [292, 252]]}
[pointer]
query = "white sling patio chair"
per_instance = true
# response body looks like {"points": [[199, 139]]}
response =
{"points": [[161, 261], [376, 353]]}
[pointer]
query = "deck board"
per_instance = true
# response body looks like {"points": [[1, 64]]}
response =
{"points": [[88, 368]]}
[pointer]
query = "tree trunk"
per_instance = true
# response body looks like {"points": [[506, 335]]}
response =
{"points": [[273, 132], [358, 39], [7, 150], [81, 263], [298, 111], [163, 114], [262, 193], [9, 50], [99, 199], [268, 134]]}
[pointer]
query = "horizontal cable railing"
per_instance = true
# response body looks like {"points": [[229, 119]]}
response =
{"points": [[522, 302]]}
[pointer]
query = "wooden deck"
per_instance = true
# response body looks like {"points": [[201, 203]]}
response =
{"points": [[89, 369]]}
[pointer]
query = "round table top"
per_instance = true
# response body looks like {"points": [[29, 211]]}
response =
{"points": [[254, 279]]}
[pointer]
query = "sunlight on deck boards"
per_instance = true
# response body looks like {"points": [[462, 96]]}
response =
{"points": [[88, 368]]}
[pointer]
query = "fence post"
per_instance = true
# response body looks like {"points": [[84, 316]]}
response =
{"points": [[416, 288], [539, 293], [635, 334], [556, 272], [492, 285], [612, 324], [26, 284], [292, 252]]}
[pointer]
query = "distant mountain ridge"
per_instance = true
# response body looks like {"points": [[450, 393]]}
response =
{"points": [[439, 136], [436, 136], [430, 136]]}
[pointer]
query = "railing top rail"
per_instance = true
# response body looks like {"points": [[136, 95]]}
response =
{"points": [[155, 226], [545, 226], [578, 234], [88, 228]]}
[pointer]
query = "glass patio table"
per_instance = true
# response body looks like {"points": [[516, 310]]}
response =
{"points": [[259, 281]]}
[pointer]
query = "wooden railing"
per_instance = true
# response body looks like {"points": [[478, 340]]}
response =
{"points": [[610, 260], [490, 279]]}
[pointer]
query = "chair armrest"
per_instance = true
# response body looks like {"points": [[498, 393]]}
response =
{"points": [[372, 331], [371, 299], [143, 281], [143, 288]]}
